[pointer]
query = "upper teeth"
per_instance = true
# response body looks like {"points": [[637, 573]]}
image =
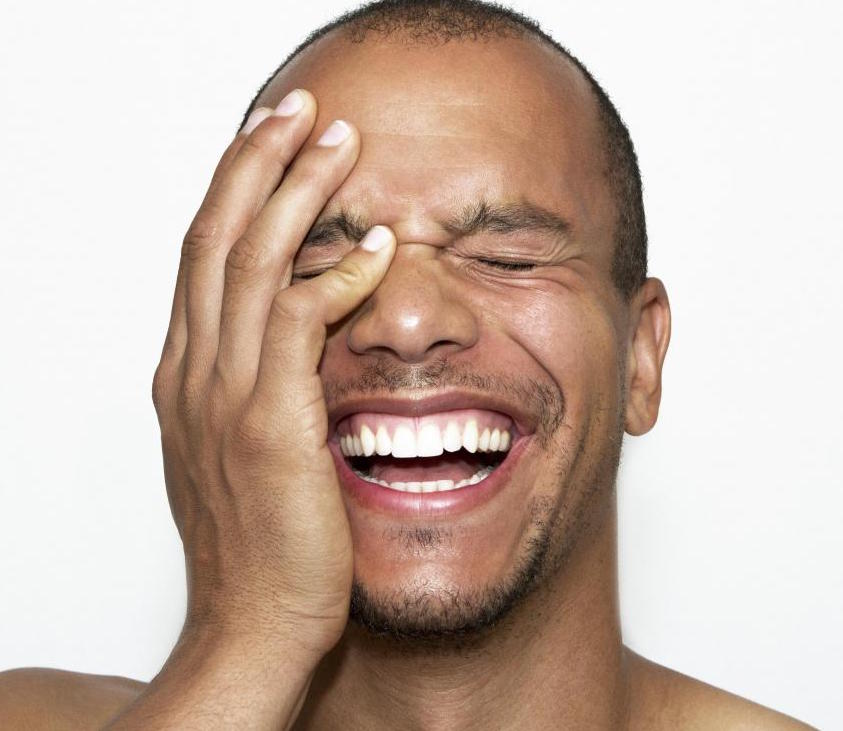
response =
{"points": [[428, 440]]}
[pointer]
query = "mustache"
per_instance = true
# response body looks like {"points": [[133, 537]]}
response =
{"points": [[545, 400]]}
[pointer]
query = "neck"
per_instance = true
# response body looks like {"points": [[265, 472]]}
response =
{"points": [[557, 661]]}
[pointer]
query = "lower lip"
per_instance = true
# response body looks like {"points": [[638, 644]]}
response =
{"points": [[385, 500]]}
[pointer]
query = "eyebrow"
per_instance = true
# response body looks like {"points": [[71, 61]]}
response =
{"points": [[343, 225], [503, 218], [506, 218]]}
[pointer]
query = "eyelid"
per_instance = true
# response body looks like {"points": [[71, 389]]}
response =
{"points": [[506, 265], [315, 259]]}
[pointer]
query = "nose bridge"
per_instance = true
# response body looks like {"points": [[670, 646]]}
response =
{"points": [[415, 312]]}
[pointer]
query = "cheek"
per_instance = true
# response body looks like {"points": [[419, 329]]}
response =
{"points": [[338, 363], [568, 335]]}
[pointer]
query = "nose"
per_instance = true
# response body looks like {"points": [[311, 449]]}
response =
{"points": [[416, 312]]}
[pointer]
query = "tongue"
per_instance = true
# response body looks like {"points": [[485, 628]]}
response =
{"points": [[456, 467]]}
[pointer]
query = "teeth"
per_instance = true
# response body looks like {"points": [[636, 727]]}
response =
{"points": [[470, 436], [483, 442], [495, 440], [452, 439], [404, 442], [430, 485], [367, 440], [383, 444], [429, 442]]}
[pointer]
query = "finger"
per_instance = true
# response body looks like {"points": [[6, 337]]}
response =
{"points": [[269, 141], [261, 261], [226, 159], [295, 331], [176, 339]]}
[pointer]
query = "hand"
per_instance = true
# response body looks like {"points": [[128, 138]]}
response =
{"points": [[251, 483]]}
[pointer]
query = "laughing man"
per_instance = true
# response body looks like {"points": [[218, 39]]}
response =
{"points": [[411, 325]]}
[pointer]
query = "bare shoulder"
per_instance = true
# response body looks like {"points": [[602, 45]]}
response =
{"points": [[61, 700], [667, 699]]}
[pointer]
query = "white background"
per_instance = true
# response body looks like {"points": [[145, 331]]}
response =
{"points": [[114, 114]]}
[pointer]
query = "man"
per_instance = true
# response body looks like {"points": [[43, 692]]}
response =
{"points": [[404, 347]]}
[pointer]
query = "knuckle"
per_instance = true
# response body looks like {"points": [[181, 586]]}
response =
{"points": [[245, 258], [307, 174], [290, 306], [202, 235], [276, 136], [348, 273], [272, 146], [161, 386], [254, 146], [251, 435], [314, 175]]}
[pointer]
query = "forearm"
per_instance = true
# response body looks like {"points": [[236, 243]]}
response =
{"points": [[209, 684]]}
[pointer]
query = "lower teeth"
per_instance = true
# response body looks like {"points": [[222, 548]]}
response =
{"points": [[430, 485]]}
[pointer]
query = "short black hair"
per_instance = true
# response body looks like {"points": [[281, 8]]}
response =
{"points": [[440, 21]]}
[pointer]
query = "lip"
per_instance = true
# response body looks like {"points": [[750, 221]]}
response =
{"points": [[421, 403], [426, 504]]}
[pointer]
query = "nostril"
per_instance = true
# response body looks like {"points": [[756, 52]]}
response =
{"points": [[443, 344]]}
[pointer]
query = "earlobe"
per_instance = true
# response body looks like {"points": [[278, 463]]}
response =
{"points": [[648, 340]]}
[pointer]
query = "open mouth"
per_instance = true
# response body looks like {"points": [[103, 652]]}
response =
{"points": [[433, 453]]}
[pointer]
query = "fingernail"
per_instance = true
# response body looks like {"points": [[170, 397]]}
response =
{"points": [[336, 133], [290, 104], [255, 118], [376, 238]]}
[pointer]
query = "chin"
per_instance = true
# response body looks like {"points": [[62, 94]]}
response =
{"points": [[429, 581], [437, 602]]}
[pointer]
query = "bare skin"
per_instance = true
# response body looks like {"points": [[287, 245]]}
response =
{"points": [[254, 380], [42, 698]]}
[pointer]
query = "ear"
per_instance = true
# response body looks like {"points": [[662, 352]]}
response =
{"points": [[649, 335]]}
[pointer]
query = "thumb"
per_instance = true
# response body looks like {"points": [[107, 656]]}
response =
{"points": [[296, 327], [347, 284]]}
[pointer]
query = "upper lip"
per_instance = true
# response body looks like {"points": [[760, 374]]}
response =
{"points": [[421, 403]]}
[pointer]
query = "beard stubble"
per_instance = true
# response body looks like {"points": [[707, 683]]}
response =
{"points": [[440, 618]]}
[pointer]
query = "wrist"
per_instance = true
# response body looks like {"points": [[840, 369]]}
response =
{"points": [[251, 651], [212, 680]]}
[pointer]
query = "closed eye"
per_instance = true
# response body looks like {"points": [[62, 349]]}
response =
{"points": [[308, 275], [508, 265]]}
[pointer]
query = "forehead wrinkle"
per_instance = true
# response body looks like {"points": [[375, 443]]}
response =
{"points": [[470, 119], [475, 145], [436, 158]]}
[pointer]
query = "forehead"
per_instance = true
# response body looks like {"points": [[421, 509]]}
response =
{"points": [[507, 119]]}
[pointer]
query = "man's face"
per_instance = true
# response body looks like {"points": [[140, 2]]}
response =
{"points": [[463, 146]]}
